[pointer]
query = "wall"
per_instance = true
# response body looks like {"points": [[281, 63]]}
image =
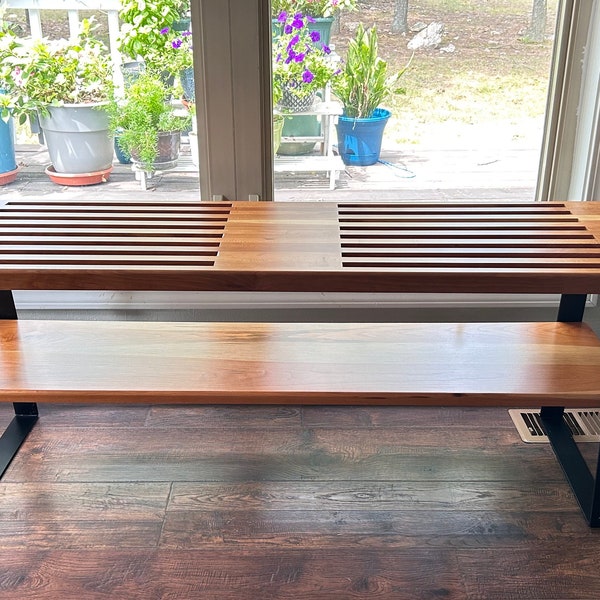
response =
{"points": [[364, 314]]}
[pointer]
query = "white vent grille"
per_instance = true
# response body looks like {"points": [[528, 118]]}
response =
{"points": [[584, 424]]}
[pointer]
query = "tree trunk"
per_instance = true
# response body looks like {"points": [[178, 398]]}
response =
{"points": [[400, 22], [537, 28]]}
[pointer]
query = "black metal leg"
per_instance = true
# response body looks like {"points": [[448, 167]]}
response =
{"points": [[7, 305], [585, 486], [26, 413], [571, 308], [16, 433]]}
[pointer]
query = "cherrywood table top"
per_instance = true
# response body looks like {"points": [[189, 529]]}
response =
{"points": [[442, 364], [318, 247]]}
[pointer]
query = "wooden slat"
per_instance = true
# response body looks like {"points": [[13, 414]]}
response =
{"points": [[424, 364], [465, 234], [460, 205], [475, 243], [491, 252], [49, 249]]}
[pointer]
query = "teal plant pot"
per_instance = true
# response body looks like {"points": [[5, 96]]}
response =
{"points": [[7, 146], [132, 70], [299, 126], [186, 77], [121, 154], [182, 24], [359, 140]]}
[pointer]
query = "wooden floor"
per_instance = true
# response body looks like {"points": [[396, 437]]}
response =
{"points": [[411, 175], [259, 503]]}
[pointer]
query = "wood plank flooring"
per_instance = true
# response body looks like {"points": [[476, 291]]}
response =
{"points": [[268, 502]]}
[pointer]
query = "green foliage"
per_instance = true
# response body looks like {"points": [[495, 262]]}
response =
{"points": [[36, 73], [145, 111], [364, 82], [142, 22]]}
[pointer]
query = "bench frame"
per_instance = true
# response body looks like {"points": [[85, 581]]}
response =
{"points": [[381, 247]]}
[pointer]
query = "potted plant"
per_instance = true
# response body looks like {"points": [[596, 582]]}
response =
{"points": [[362, 86], [67, 84], [149, 128], [317, 29], [300, 67]]}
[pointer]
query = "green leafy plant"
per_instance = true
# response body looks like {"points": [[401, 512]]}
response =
{"points": [[36, 73], [314, 8], [176, 53], [142, 24], [301, 66], [141, 115], [364, 83]]}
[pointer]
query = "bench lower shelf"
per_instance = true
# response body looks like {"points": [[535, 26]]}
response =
{"points": [[444, 364]]}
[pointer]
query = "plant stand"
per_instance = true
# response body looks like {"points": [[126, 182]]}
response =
{"points": [[327, 161], [142, 175]]}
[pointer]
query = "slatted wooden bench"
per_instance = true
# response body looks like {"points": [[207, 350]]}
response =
{"points": [[259, 247]]}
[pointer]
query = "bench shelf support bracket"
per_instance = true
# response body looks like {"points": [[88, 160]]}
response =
{"points": [[26, 413], [585, 486]]}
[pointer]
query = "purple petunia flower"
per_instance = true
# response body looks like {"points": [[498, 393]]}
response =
{"points": [[315, 36], [288, 29], [298, 23], [164, 30], [299, 57], [176, 44], [293, 42], [307, 76], [186, 33], [282, 18], [310, 19], [326, 49]]}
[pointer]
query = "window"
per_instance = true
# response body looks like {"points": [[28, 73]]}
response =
{"points": [[234, 59]]}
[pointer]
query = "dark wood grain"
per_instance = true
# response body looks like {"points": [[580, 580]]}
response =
{"points": [[304, 507], [212, 454]]}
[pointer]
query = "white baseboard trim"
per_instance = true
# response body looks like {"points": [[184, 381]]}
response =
{"points": [[77, 300]]}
